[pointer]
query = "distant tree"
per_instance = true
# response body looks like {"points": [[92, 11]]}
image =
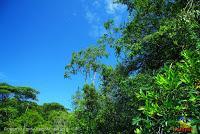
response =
{"points": [[86, 62], [53, 106], [20, 93]]}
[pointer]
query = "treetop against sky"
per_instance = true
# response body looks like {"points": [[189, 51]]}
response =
{"points": [[37, 38]]}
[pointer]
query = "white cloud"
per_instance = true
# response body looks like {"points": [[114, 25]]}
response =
{"points": [[95, 23], [96, 4], [91, 17], [96, 31], [114, 8], [99, 11]]}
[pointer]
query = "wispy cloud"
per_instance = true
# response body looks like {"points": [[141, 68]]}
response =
{"points": [[91, 17], [97, 31], [99, 11], [114, 8], [97, 3]]}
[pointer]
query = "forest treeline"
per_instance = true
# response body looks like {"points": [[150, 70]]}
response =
{"points": [[154, 87]]}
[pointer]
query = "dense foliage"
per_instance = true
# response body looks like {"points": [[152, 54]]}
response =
{"points": [[153, 88], [20, 113], [156, 79]]}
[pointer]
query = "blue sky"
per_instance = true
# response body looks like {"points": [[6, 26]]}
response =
{"points": [[37, 38]]}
